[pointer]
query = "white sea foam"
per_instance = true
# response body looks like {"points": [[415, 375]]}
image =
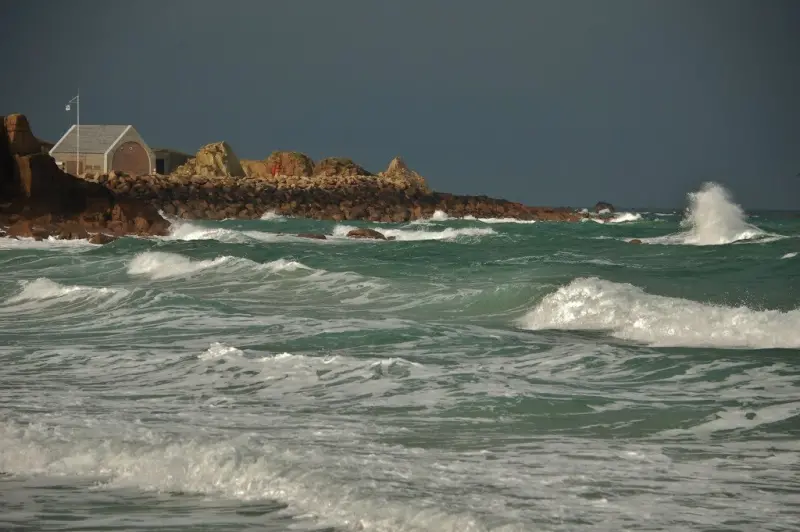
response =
{"points": [[162, 265], [47, 243], [272, 216], [503, 221], [618, 218], [790, 255], [624, 217], [218, 350], [449, 233], [628, 312], [311, 482], [43, 288], [439, 216], [713, 219]]}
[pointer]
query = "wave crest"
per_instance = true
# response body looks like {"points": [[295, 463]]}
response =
{"points": [[630, 313], [42, 289], [162, 265]]}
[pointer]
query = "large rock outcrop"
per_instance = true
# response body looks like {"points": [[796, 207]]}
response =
{"points": [[405, 178], [340, 167], [37, 199], [212, 160], [289, 163], [603, 207]]}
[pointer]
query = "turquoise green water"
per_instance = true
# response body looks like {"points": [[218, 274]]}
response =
{"points": [[470, 375]]}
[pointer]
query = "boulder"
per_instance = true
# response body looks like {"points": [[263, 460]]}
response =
{"points": [[399, 170], [603, 206], [20, 138], [315, 236], [340, 167], [212, 160], [101, 238], [256, 169], [288, 163], [634, 241], [366, 233], [73, 231]]}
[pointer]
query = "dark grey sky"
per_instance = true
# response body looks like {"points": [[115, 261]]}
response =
{"points": [[561, 102]]}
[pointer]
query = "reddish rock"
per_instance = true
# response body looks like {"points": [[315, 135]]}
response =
{"points": [[286, 163], [634, 241], [20, 138], [101, 238], [340, 167], [73, 231]]}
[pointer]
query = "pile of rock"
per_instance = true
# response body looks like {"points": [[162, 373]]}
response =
{"points": [[39, 200], [212, 160], [291, 169], [333, 198]]}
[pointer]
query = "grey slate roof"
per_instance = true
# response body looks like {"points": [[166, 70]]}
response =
{"points": [[94, 139]]}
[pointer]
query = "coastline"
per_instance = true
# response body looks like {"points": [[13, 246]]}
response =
{"points": [[39, 200], [366, 198]]}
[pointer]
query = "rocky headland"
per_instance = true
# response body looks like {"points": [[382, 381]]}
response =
{"points": [[38, 200], [216, 185]]}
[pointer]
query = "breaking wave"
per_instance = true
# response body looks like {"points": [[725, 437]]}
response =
{"points": [[246, 469], [43, 289], [629, 313], [713, 219], [499, 220], [272, 216], [162, 265], [449, 233], [790, 255]]}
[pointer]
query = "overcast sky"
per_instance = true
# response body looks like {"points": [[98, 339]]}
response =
{"points": [[562, 102]]}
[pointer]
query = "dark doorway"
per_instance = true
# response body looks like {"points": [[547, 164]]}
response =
{"points": [[160, 163]]}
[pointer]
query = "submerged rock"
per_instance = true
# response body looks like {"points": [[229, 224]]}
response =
{"points": [[366, 233], [315, 236], [101, 238]]}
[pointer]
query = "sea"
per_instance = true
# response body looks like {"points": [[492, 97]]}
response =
{"points": [[469, 375]]}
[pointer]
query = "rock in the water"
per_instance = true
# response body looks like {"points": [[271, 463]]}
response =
{"points": [[288, 163], [364, 232], [212, 160], [634, 241], [73, 231], [339, 166], [603, 206], [399, 170], [315, 236], [101, 238]]}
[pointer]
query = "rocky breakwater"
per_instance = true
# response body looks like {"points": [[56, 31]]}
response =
{"points": [[216, 185], [38, 200]]}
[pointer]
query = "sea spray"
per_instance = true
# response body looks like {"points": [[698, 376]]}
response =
{"points": [[712, 219]]}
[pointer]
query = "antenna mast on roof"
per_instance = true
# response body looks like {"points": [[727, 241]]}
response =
{"points": [[77, 101]]}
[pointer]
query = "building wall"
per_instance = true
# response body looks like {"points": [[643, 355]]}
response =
{"points": [[170, 160], [129, 136], [90, 162]]}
